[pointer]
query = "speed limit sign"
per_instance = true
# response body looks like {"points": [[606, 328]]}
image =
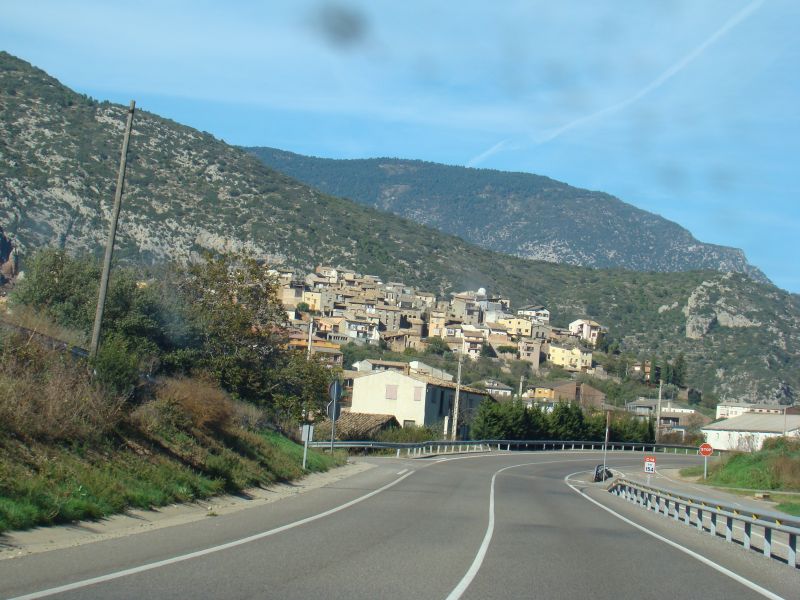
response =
{"points": [[649, 464]]}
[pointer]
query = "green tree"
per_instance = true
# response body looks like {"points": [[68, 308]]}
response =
{"points": [[236, 323], [679, 371], [438, 346]]}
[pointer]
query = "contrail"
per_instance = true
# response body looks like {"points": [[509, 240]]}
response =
{"points": [[655, 84], [487, 153], [661, 79]]}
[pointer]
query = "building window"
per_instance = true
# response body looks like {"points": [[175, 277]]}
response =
{"points": [[408, 423], [391, 392], [418, 393]]}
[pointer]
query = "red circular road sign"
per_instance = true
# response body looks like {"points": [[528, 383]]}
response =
{"points": [[706, 450]]}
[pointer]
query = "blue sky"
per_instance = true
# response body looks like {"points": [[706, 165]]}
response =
{"points": [[687, 109]]}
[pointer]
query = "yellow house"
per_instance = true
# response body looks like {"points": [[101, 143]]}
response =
{"points": [[571, 358], [517, 326]]}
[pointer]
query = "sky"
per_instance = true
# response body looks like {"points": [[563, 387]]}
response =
{"points": [[683, 108]]}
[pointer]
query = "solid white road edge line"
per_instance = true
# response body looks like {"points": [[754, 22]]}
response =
{"points": [[183, 557], [735, 576]]}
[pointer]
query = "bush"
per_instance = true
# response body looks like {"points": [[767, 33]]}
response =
{"points": [[45, 395], [183, 403]]}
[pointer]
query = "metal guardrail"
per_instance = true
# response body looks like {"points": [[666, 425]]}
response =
{"points": [[717, 518], [446, 447]]}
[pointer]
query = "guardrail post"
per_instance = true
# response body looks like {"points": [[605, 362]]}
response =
{"points": [[677, 515], [674, 450], [747, 531], [792, 556], [768, 542], [398, 453], [729, 529], [713, 523], [700, 519]]}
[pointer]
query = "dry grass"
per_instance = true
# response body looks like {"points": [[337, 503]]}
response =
{"points": [[45, 395], [22, 316], [190, 403]]}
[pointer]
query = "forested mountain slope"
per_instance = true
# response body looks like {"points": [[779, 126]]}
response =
{"points": [[515, 213]]}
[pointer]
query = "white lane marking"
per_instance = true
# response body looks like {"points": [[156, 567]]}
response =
{"points": [[403, 471], [462, 586], [735, 576], [183, 557]]}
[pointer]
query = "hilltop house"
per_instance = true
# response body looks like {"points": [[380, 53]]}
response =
{"points": [[587, 330]]}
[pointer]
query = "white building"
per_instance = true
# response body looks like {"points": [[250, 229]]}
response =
{"points": [[727, 410], [587, 330], [414, 399], [747, 432]]}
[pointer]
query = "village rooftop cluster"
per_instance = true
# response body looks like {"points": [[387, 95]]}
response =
{"points": [[342, 306]]}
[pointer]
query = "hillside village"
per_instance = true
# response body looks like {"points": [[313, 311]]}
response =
{"points": [[343, 306], [333, 306]]}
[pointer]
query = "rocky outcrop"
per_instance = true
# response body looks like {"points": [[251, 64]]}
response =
{"points": [[707, 307]]}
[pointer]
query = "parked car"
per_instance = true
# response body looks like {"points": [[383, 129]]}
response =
{"points": [[601, 473]]}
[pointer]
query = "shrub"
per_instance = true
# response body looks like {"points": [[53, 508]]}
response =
{"points": [[204, 405], [45, 395]]}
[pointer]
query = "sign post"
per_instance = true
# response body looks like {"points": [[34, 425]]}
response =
{"points": [[307, 435], [334, 393], [649, 466], [705, 451]]}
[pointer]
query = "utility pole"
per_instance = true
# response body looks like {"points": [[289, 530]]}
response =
{"points": [[112, 234], [658, 410], [310, 335], [521, 379], [455, 402]]}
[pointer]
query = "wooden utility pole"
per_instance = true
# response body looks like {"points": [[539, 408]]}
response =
{"points": [[112, 234], [455, 402]]}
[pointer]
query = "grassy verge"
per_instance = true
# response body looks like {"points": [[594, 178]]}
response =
{"points": [[774, 468], [60, 464], [45, 484]]}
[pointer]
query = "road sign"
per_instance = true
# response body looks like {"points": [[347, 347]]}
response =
{"points": [[307, 433], [333, 410], [649, 464], [706, 450], [335, 390]]}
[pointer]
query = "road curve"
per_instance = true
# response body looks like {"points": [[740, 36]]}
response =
{"points": [[503, 525]]}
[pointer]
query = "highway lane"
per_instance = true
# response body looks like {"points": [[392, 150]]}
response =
{"points": [[418, 537]]}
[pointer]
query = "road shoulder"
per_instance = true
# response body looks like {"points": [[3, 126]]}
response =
{"points": [[43, 539]]}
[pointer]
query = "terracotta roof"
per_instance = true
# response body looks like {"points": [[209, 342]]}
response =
{"points": [[359, 426]]}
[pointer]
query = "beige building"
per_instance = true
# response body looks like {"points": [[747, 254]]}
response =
{"points": [[414, 399], [587, 330], [572, 358], [530, 351], [519, 326]]}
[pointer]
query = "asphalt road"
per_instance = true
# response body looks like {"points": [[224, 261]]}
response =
{"points": [[473, 527]]}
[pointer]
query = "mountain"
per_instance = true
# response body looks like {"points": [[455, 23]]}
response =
{"points": [[514, 213], [187, 193]]}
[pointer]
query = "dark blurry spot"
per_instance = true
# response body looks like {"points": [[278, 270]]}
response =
{"points": [[721, 178], [673, 177], [341, 26]]}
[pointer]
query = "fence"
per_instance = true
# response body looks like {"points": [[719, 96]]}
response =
{"points": [[732, 523]]}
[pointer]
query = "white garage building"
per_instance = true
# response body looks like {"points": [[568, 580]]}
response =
{"points": [[748, 431]]}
